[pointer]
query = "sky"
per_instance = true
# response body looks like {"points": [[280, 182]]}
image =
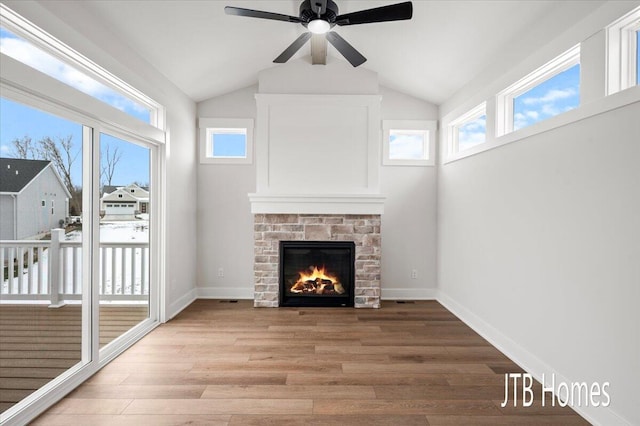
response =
{"points": [[27, 53], [227, 144], [472, 133], [556, 95], [18, 120], [406, 145]]}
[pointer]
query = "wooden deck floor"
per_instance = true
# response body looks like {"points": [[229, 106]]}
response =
{"points": [[230, 364], [37, 343]]}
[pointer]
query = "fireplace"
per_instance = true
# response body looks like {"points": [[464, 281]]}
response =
{"points": [[362, 230], [317, 273]]}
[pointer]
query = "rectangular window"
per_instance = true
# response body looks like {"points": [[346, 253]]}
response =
{"points": [[468, 130], [227, 143], [29, 45], [556, 95], [409, 142], [226, 140], [548, 91], [44, 203]]}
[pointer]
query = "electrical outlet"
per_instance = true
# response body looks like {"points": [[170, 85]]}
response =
{"points": [[414, 274], [220, 272]]}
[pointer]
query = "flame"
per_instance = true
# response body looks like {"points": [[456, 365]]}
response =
{"points": [[317, 281], [315, 274]]}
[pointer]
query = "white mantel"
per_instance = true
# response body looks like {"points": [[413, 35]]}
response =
{"points": [[317, 203]]}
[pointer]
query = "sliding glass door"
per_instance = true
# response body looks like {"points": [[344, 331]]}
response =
{"points": [[43, 302], [77, 248], [125, 217]]}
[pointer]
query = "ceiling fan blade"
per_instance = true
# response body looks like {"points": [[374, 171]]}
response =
{"points": [[293, 48], [319, 7], [250, 13], [393, 12], [348, 51]]}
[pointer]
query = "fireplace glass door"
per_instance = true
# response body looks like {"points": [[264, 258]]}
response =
{"points": [[317, 273]]}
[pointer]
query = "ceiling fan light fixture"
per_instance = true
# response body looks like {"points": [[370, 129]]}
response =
{"points": [[319, 26]]}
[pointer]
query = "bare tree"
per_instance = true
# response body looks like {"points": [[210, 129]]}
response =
{"points": [[60, 153], [109, 161], [24, 148]]}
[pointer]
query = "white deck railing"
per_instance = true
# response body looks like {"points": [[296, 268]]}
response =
{"points": [[52, 270]]}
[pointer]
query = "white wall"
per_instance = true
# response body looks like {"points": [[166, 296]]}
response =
{"points": [[225, 222], [409, 220], [226, 225], [72, 24], [539, 239]]}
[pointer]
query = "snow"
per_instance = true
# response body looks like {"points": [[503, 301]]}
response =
{"points": [[128, 277], [133, 231]]}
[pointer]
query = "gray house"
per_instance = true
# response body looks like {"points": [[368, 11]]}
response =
{"points": [[124, 202], [33, 199]]}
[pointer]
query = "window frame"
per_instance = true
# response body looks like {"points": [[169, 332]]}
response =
{"points": [[505, 98], [453, 129], [59, 50], [622, 57], [207, 127], [427, 127]]}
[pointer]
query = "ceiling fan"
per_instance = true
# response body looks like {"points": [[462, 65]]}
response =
{"points": [[319, 16]]}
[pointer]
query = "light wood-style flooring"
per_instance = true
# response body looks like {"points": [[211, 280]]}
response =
{"points": [[222, 363], [38, 343]]}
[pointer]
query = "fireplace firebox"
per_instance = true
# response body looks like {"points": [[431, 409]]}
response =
{"points": [[317, 273]]}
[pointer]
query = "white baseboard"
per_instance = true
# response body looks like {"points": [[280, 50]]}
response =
{"points": [[409, 294], [529, 362], [225, 292], [178, 305]]}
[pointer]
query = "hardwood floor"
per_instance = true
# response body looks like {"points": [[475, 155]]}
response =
{"points": [[38, 344], [230, 364]]}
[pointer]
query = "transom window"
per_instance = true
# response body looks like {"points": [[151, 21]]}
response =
{"points": [[226, 140], [469, 130], [556, 95], [29, 45], [548, 91]]}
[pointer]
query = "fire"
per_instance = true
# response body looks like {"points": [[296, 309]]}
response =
{"points": [[315, 274], [317, 281]]}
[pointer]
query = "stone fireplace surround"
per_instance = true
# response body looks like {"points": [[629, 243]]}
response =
{"points": [[362, 229]]}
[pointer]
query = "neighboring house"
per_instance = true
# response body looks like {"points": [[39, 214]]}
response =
{"points": [[33, 199], [124, 202]]}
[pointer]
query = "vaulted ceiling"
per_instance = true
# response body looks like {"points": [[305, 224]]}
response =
{"points": [[207, 53]]}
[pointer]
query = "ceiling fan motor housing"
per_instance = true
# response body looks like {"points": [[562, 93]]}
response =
{"points": [[307, 14]]}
